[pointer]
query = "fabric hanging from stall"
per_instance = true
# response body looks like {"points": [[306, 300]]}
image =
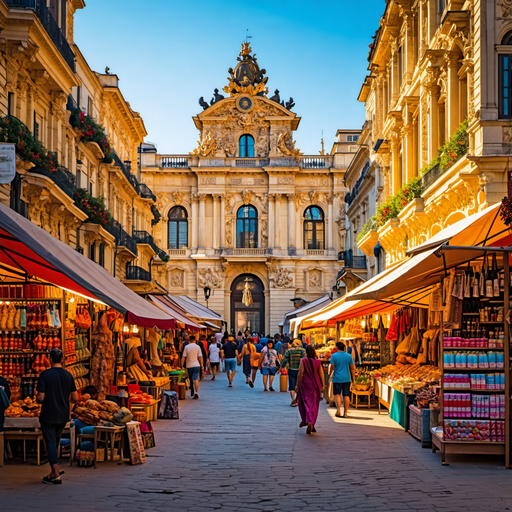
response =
{"points": [[102, 364]]}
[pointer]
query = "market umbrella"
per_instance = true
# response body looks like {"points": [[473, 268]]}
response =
{"points": [[428, 262], [28, 248]]}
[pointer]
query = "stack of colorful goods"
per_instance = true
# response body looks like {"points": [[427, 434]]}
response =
{"points": [[27, 408]]}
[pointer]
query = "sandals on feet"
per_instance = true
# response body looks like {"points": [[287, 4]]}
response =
{"points": [[338, 415], [52, 480]]}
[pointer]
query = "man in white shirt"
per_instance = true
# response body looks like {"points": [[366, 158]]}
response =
{"points": [[192, 359]]}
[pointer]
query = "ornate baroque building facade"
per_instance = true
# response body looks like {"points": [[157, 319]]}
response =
{"points": [[439, 75], [47, 89], [247, 209]]}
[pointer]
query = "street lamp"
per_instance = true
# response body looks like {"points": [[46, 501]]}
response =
{"points": [[207, 292]]}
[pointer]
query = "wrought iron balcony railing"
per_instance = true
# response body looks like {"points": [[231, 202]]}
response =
{"points": [[128, 175], [61, 177], [143, 237], [137, 273], [352, 261], [122, 238], [50, 25]]}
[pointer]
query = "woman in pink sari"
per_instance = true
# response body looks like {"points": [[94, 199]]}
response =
{"points": [[310, 384]]}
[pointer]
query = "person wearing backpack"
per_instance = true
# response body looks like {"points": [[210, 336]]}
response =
{"points": [[5, 397]]}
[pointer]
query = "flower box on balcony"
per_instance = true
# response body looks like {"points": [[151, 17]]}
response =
{"points": [[368, 242], [416, 205]]}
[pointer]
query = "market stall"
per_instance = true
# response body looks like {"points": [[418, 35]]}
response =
{"points": [[53, 297]]}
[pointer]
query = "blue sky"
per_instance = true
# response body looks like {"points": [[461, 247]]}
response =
{"points": [[169, 53]]}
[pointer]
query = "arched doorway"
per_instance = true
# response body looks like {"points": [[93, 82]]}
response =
{"points": [[252, 316]]}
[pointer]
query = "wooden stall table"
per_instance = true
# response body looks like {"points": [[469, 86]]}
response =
{"points": [[361, 392], [22, 429], [108, 436], [151, 409], [24, 435], [463, 447]]}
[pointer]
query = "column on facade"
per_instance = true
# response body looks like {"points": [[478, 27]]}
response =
{"points": [[395, 163], [202, 221], [271, 222], [277, 233], [215, 220], [222, 220], [330, 221], [291, 221], [452, 115], [395, 89], [408, 55], [423, 26], [433, 93], [195, 222], [409, 147]]}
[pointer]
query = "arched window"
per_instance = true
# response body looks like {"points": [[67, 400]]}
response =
{"points": [[246, 146], [314, 237], [505, 77], [178, 228], [247, 227]]}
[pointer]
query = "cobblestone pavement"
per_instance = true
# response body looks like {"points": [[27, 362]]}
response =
{"points": [[240, 449]]}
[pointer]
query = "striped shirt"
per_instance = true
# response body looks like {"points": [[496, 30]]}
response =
{"points": [[292, 357]]}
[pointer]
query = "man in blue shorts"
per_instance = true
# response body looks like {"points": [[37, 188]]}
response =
{"points": [[192, 359], [342, 372], [230, 354]]}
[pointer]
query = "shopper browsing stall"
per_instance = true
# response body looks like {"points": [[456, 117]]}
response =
{"points": [[342, 372], [55, 390]]}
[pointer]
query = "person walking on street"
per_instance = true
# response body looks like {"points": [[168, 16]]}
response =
{"points": [[292, 359], [192, 360], [285, 344], [245, 359], [204, 352], [278, 344], [268, 364], [310, 384], [214, 351], [257, 345], [55, 391], [342, 371], [230, 356]]}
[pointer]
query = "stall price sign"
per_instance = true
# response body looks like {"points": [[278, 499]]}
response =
{"points": [[7, 162]]}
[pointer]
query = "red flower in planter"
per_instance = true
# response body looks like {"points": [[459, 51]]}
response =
{"points": [[404, 202]]}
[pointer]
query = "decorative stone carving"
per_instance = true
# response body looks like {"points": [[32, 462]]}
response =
{"points": [[207, 146], [261, 147], [264, 233], [285, 180], [280, 277], [177, 278], [315, 279], [207, 180], [507, 134], [263, 200], [313, 197], [246, 196], [210, 277], [229, 233], [328, 198], [506, 9], [286, 146], [178, 197]]}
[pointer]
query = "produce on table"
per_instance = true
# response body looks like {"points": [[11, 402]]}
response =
{"points": [[410, 375], [27, 408]]}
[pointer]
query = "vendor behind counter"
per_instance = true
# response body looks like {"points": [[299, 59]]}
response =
{"points": [[134, 364]]}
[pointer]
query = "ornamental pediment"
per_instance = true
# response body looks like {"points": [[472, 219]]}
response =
{"points": [[246, 106]]}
